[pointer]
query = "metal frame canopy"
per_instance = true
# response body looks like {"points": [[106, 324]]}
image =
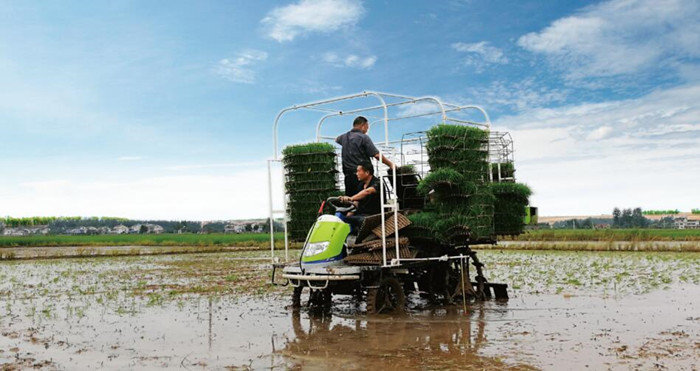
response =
{"points": [[383, 112]]}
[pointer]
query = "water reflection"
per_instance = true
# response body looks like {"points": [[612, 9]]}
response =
{"points": [[441, 337]]}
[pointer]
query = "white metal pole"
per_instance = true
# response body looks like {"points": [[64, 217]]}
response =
{"points": [[381, 202], [386, 116], [272, 218], [396, 215], [286, 234]]}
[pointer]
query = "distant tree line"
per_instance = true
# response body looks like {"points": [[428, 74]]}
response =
{"points": [[661, 212], [629, 218], [59, 225]]}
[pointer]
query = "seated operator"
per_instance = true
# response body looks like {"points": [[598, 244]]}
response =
{"points": [[366, 200]]}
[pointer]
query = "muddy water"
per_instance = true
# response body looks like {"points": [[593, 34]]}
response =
{"points": [[99, 313]]}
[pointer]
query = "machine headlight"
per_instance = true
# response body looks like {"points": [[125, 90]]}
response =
{"points": [[315, 248]]}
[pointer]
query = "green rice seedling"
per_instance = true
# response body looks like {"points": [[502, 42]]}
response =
{"points": [[509, 208], [306, 148], [515, 189], [461, 132], [299, 176], [445, 181], [422, 225], [311, 177]]}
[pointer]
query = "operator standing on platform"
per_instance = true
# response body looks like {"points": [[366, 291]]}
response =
{"points": [[357, 149]]}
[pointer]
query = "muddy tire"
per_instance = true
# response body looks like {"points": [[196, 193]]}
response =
{"points": [[320, 299], [387, 298]]}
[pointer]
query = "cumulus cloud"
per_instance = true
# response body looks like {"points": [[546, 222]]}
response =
{"points": [[620, 37], [349, 60], [588, 158], [240, 68], [285, 23]]}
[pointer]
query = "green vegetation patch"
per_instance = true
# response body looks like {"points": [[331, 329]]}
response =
{"points": [[170, 239], [610, 235]]}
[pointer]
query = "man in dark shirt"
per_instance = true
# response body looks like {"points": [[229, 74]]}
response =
{"points": [[357, 148], [367, 199]]}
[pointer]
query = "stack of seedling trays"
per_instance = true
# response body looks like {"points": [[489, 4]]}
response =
{"points": [[461, 211], [511, 201], [311, 177]]}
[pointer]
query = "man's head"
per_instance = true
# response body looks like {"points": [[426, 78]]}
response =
{"points": [[365, 170], [361, 123]]}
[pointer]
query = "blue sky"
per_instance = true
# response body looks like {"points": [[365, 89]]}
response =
{"points": [[150, 109]]}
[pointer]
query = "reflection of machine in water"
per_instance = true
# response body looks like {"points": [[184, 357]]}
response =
{"points": [[437, 338]]}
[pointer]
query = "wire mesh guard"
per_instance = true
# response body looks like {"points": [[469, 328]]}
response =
{"points": [[501, 155], [310, 178]]}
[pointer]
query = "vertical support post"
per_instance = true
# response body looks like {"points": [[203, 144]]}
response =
{"points": [[286, 234], [272, 217], [381, 203], [396, 215], [464, 292]]}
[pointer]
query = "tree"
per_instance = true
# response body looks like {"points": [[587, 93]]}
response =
{"points": [[143, 229], [626, 218], [638, 219], [616, 218]]}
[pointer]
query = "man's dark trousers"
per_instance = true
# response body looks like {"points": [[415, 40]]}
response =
{"points": [[352, 185]]}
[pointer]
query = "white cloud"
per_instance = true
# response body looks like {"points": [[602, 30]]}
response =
{"points": [[287, 22], [240, 194], [240, 68], [520, 95], [350, 60], [600, 133], [588, 158], [216, 165], [620, 37], [481, 53]]}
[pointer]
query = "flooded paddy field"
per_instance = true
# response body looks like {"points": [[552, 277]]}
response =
{"points": [[217, 310]]}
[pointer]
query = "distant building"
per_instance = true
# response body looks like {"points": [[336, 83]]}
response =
{"points": [[235, 228], [148, 228], [25, 231], [79, 230], [120, 229], [685, 223]]}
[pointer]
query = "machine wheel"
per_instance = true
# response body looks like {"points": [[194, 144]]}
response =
{"points": [[388, 297], [320, 299], [296, 297]]}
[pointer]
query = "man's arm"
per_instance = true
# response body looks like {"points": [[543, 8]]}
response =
{"points": [[374, 152], [360, 195], [385, 160]]}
